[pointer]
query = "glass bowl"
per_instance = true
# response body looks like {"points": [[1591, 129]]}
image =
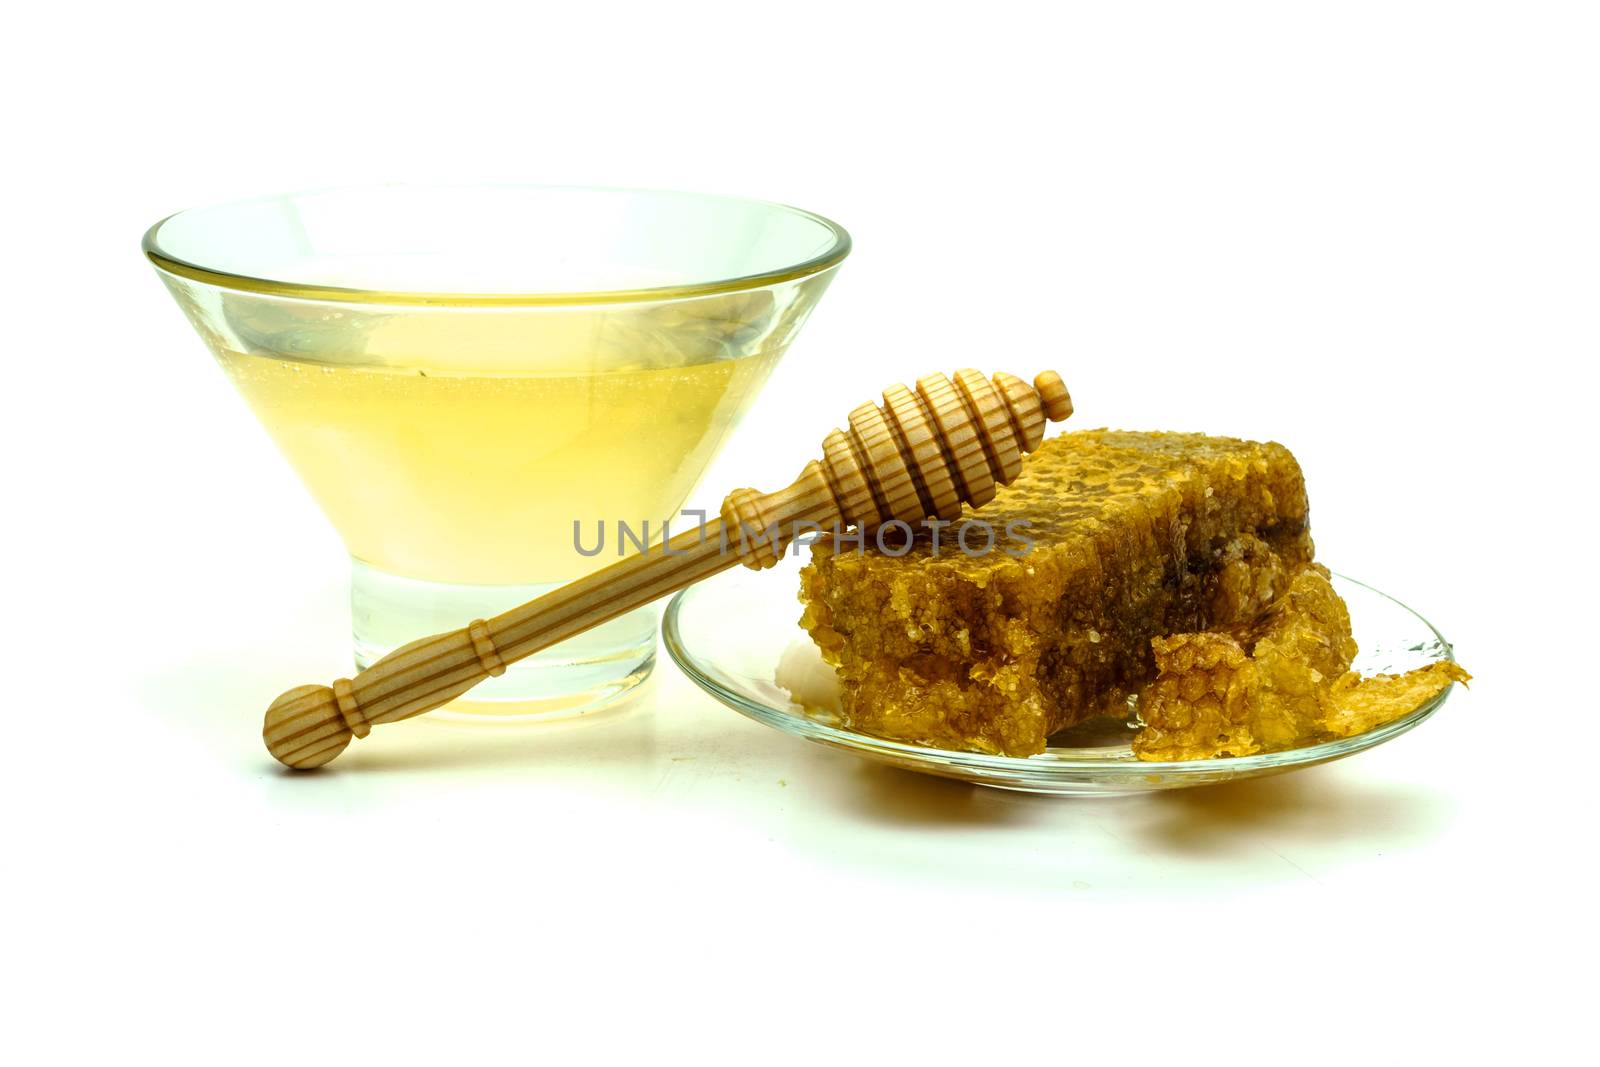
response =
{"points": [[476, 382], [730, 632]]}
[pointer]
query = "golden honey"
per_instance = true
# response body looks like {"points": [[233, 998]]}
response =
{"points": [[478, 478], [466, 454]]}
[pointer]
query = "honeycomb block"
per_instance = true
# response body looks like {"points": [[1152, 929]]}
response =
{"points": [[1106, 540]]}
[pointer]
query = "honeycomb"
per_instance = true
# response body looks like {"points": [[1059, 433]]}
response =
{"points": [[1279, 682], [1129, 537]]}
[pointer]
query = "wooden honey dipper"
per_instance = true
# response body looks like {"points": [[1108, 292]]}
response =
{"points": [[921, 455]]}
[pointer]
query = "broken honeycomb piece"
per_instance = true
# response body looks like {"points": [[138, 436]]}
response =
{"points": [[1362, 704], [1261, 686], [1280, 682], [1133, 535]]}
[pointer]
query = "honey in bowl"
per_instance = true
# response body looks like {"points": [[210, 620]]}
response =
{"points": [[459, 376], [478, 478]]}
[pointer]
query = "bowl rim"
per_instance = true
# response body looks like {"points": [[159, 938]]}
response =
{"points": [[164, 260]]}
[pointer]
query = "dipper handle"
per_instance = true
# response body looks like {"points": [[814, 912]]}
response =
{"points": [[922, 454]]}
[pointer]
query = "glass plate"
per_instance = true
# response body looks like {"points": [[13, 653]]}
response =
{"points": [[729, 632]]}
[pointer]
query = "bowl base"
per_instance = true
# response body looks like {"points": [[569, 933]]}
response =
{"points": [[602, 697], [583, 674]]}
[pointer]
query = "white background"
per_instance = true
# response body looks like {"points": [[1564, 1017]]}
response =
{"points": [[1368, 230]]}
